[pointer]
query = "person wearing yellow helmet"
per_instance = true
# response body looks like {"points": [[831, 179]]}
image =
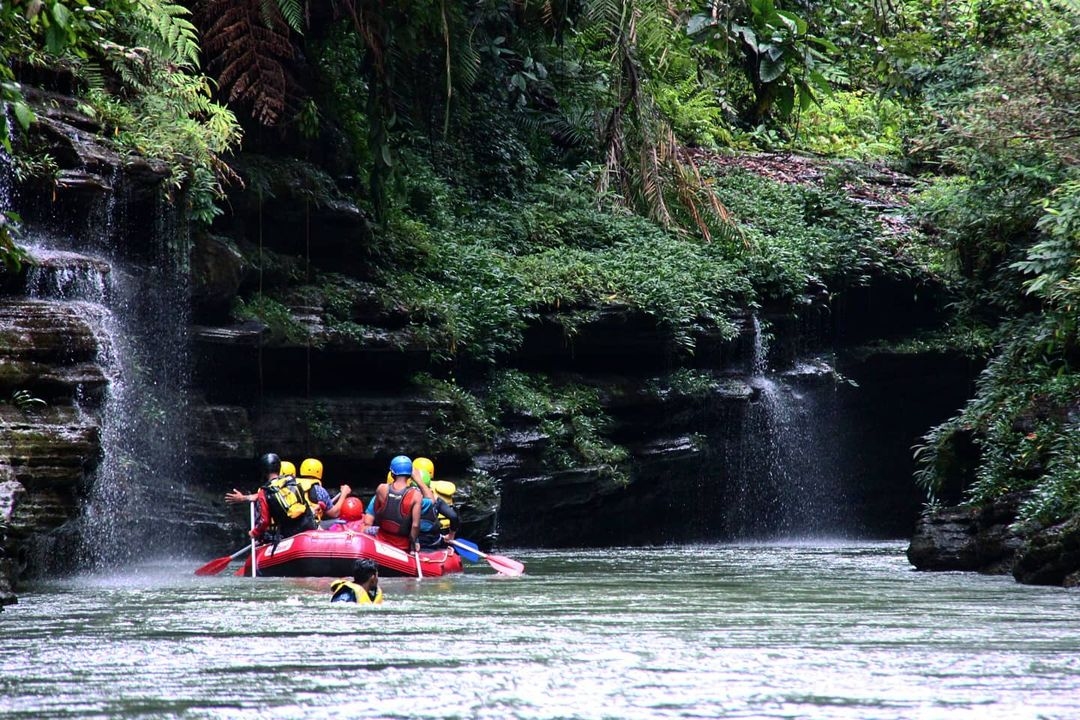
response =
{"points": [[310, 481], [287, 468], [424, 465], [433, 512]]}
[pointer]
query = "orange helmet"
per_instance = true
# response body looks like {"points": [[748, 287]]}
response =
{"points": [[352, 509]]}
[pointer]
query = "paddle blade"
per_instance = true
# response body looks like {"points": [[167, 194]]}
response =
{"points": [[505, 566], [467, 549], [214, 566]]}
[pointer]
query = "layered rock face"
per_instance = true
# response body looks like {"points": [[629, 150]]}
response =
{"points": [[988, 539], [48, 355], [692, 453]]}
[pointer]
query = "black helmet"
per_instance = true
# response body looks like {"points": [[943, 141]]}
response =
{"points": [[270, 463], [363, 569]]}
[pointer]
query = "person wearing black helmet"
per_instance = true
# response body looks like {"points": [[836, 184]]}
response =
{"points": [[364, 588], [279, 501]]}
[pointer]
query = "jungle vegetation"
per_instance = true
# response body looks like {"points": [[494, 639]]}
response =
{"points": [[519, 158]]}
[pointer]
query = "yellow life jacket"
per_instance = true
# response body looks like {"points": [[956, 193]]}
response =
{"points": [[286, 498], [360, 595], [306, 484], [444, 489]]}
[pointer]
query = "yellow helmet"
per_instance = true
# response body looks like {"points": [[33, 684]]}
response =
{"points": [[287, 468], [311, 468], [424, 464]]}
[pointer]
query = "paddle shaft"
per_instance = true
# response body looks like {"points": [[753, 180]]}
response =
{"points": [[254, 566]]}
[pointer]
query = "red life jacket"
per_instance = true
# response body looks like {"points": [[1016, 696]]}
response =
{"points": [[394, 515]]}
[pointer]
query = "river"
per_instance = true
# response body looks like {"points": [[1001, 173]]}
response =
{"points": [[821, 630]]}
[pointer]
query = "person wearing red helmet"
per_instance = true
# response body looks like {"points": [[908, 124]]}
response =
{"points": [[352, 509]]}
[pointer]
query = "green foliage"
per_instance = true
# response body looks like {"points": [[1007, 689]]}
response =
{"points": [[282, 327], [1055, 259], [801, 236], [684, 382], [783, 61], [854, 124], [154, 101], [321, 426], [460, 423], [569, 415], [11, 255], [27, 403], [167, 32]]}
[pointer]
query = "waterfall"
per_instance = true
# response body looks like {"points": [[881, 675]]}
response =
{"points": [[784, 470], [138, 309]]}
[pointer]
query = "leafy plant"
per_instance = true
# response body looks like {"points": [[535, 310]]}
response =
{"points": [[279, 321], [27, 403], [782, 60]]}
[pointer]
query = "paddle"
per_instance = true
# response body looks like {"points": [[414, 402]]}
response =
{"points": [[468, 550], [214, 567], [501, 565]]}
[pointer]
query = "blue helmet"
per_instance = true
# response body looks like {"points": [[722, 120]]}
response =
{"points": [[401, 465]]}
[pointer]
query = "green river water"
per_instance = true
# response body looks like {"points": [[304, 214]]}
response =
{"points": [[818, 630]]}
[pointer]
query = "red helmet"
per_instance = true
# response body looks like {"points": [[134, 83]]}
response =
{"points": [[352, 509]]}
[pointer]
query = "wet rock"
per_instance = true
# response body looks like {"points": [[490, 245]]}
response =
{"points": [[49, 349], [221, 432], [967, 537], [10, 492], [1051, 556], [217, 268]]}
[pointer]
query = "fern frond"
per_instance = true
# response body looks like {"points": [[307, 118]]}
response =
{"points": [[288, 10], [250, 56], [165, 29]]}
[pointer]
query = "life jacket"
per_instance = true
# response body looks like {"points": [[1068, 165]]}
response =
{"points": [[430, 534], [307, 486], [348, 591], [394, 516], [288, 506], [444, 489]]}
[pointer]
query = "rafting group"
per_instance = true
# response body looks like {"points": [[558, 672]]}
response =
{"points": [[410, 511], [408, 528]]}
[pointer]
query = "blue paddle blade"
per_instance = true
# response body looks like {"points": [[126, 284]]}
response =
{"points": [[466, 548]]}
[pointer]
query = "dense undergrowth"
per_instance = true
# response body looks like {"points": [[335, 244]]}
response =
{"points": [[519, 160]]}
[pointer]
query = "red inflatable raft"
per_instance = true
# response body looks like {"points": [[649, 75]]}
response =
{"points": [[331, 553]]}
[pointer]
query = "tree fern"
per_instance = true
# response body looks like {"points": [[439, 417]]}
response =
{"points": [[250, 55]]}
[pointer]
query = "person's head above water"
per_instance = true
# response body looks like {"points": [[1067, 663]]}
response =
{"points": [[363, 570]]}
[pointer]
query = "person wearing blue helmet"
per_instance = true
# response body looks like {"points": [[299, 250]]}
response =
{"points": [[396, 507]]}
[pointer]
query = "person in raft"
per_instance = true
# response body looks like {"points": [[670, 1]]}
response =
{"points": [[280, 503], [396, 508], [318, 497], [363, 589], [434, 510]]}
